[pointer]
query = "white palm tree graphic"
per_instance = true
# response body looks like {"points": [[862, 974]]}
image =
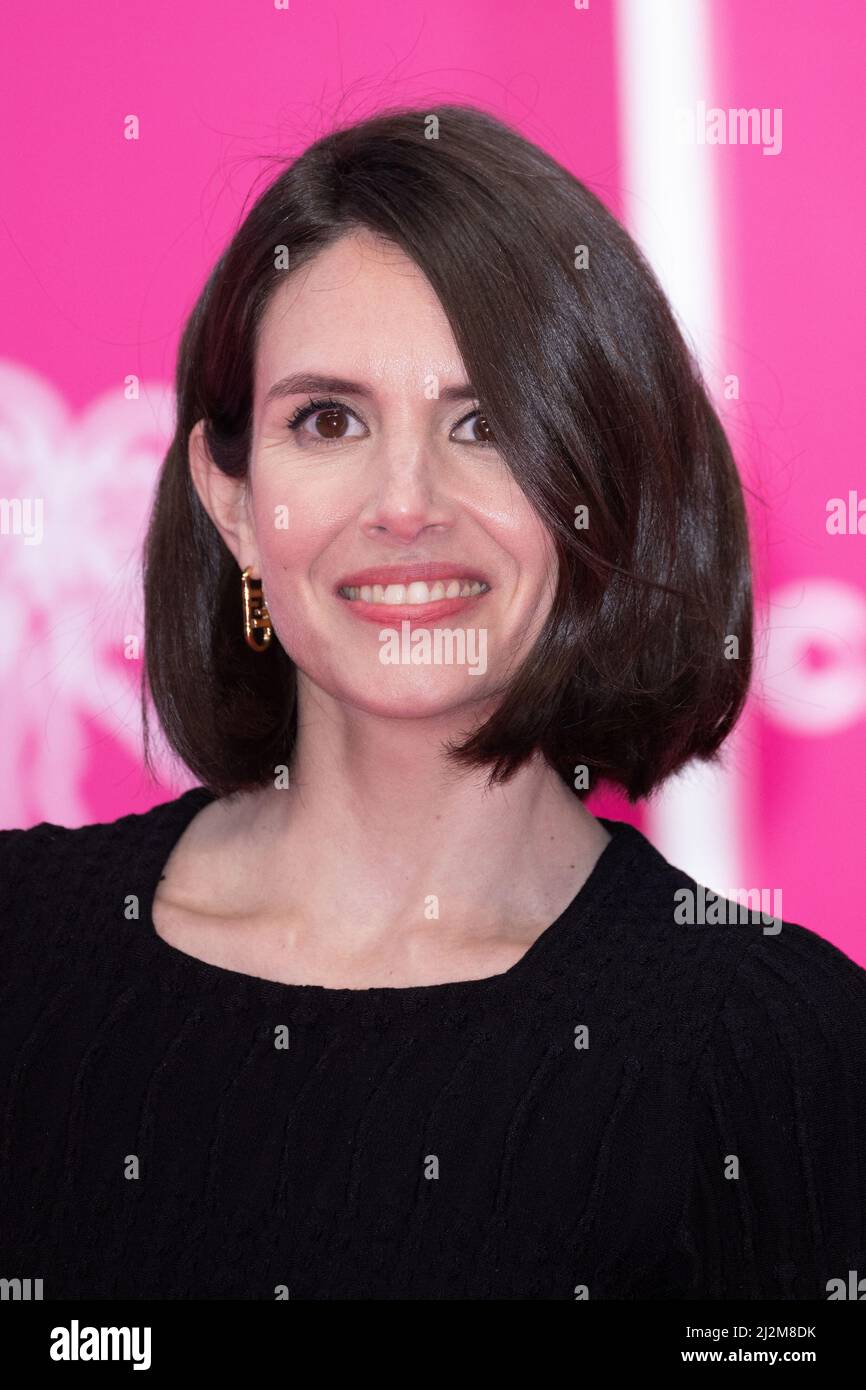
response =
{"points": [[71, 599]]}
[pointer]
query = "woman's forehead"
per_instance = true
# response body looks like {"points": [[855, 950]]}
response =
{"points": [[356, 315]]}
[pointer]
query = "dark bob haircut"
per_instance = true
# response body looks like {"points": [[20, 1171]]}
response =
{"points": [[595, 402]]}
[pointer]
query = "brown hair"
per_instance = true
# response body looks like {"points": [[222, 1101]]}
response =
{"points": [[594, 400]]}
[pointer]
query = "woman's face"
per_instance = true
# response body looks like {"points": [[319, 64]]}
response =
{"points": [[392, 485]]}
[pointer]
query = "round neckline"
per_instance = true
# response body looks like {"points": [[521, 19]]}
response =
{"points": [[170, 820]]}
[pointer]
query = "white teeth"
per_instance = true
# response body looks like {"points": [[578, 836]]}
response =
{"points": [[415, 593]]}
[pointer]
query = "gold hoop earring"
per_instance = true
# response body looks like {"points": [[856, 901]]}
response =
{"points": [[257, 619]]}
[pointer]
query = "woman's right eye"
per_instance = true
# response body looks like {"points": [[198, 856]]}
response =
{"points": [[325, 422]]}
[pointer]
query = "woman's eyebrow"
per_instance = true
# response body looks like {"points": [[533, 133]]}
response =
{"points": [[308, 383]]}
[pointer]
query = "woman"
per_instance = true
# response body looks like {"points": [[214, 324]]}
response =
{"points": [[448, 535]]}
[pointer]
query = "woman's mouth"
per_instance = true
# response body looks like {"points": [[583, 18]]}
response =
{"points": [[415, 593], [418, 601]]}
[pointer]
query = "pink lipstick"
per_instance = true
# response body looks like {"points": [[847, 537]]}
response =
{"points": [[421, 593]]}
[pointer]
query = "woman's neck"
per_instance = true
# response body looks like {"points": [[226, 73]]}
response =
{"points": [[379, 862]]}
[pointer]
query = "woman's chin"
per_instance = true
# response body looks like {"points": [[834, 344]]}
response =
{"points": [[413, 695]]}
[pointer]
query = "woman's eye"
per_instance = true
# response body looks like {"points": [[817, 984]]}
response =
{"points": [[477, 430], [329, 422], [326, 424]]}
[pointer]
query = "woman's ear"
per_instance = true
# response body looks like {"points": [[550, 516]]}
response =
{"points": [[224, 499]]}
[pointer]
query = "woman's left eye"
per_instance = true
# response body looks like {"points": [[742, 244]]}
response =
{"points": [[479, 428]]}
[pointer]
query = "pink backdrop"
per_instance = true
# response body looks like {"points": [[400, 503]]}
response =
{"points": [[106, 242]]}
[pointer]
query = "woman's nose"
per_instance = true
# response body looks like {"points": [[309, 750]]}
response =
{"points": [[404, 500]]}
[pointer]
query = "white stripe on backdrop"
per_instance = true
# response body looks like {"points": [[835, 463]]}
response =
{"points": [[671, 203]]}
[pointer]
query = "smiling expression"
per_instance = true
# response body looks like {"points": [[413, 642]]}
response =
{"points": [[376, 495]]}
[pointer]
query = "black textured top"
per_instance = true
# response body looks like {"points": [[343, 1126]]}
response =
{"points": [[636, 1109]]}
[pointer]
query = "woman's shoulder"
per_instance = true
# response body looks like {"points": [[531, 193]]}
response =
{"points": [[22, 847], [48, 870], [793, 962], [36, 860], [795, 1002], [695, 969]]}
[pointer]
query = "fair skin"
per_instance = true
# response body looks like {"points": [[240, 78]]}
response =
{"points": [[328, 881]]}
